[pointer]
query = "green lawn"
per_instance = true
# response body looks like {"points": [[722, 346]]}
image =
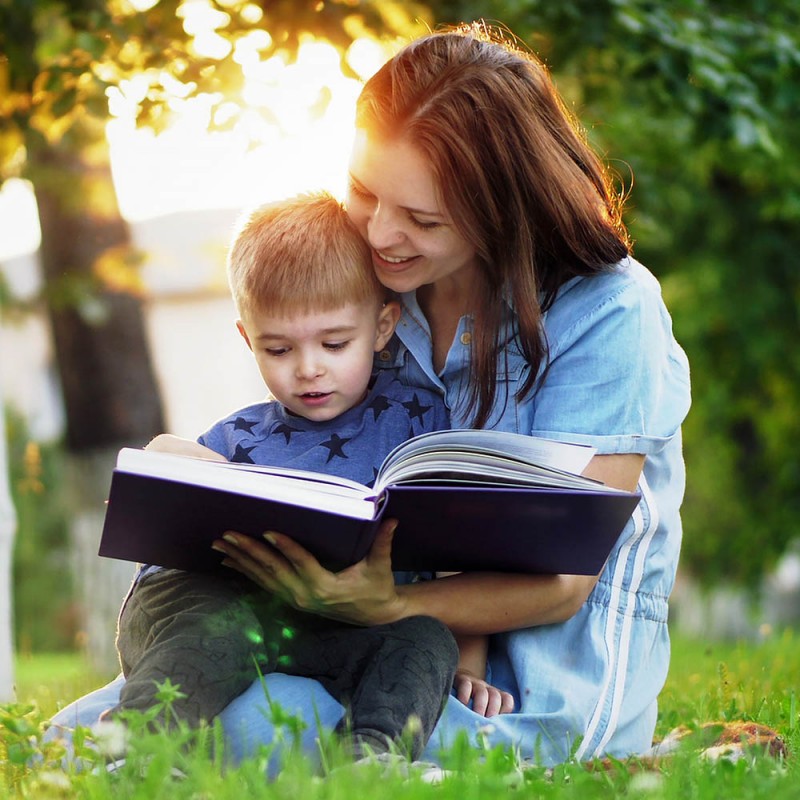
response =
{"points": [[717, 681], [51, 680]]}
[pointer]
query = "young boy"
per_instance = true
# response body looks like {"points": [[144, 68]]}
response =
{"points": [[313, 314]]}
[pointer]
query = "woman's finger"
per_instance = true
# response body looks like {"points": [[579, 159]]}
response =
{"points": [[255, 560], [296, 555], [381, 550]]}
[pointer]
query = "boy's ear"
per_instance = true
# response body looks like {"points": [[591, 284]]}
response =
{"points": [[243, 332], [388, 317]]}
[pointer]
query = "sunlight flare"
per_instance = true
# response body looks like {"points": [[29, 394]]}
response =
{"points": [[288, 130]]}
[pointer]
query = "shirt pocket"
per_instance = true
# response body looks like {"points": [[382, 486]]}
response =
{"points": [[509, 414]]}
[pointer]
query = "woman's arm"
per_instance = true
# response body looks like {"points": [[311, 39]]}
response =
{"points": [[469, 603], [619, 471]]}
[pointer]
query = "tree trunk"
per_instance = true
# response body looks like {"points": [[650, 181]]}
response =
{"points": [[7, 526], [109, 386], [110, 393]]}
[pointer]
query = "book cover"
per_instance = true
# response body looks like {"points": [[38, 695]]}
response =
{"points": [[167, 510], [506, 529], [172, 524]]}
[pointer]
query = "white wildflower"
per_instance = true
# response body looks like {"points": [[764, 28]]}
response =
{"points": [[111, 738]]}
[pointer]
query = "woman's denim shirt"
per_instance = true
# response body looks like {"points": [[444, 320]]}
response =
{"points": [[618, 381]]}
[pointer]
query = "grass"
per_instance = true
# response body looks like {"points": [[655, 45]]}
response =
{"points": [[708, 681], [53, 679]]}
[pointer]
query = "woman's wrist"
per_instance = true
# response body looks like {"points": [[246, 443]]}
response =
{"points": [[400, 605]]}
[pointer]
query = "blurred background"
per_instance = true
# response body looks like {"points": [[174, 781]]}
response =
{"points": [[133, 133]]}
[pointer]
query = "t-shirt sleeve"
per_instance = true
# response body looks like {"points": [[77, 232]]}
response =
{"points": [[215, 439], [618, 380]]}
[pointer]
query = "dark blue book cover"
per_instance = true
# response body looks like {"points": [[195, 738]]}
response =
{"points": [[441, 527]]}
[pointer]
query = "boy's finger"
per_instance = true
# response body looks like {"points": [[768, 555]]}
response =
{"points": [[480, 699], [463, 690], [507, 704]]}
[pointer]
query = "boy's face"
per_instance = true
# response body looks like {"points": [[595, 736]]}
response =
{"points": [[318, 364]]}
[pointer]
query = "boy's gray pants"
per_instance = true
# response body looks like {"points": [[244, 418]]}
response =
{"points": [[213, 635]]}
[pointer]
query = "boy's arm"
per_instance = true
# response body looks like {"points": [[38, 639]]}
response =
{"points": [[470, 683], [470, 680], [167, 443]]}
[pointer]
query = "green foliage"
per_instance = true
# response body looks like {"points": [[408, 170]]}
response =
{"points": [[45, 617], [47, 678], [697, 98], [754, 682], [61, 59]]}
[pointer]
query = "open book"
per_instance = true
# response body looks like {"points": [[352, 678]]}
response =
{"points": [[465, 500]]}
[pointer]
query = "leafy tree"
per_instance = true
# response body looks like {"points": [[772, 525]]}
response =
{"points": [[50, 133], [59, 60], [697, 96]]}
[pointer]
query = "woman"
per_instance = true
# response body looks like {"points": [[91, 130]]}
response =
{"points": [[486, 210]]}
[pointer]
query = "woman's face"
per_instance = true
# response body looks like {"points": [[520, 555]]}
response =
{"points": [[392, 200]]}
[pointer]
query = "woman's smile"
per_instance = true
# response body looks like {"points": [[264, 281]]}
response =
{"points": [[393, 259], [396, 206]]}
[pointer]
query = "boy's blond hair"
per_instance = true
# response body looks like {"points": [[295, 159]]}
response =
{"points": [[300, 255]]}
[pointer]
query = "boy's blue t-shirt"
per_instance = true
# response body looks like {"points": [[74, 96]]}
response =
{"points": [[352, 445]]}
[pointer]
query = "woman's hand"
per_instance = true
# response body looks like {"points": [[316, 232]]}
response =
{"points": [[487, 700], [363, 594]]}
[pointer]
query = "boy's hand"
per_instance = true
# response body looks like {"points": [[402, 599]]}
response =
{"points": [[167, 443], [487, 700]]}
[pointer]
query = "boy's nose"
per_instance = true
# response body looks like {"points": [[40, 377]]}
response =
{"points": [[308, 367]]}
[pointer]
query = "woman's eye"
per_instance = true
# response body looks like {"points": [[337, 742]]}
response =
{"points": [[357, 190], [334, 346], [426, 226]]}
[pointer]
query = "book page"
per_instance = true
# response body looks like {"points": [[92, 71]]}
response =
{"points": [[294, 487], [467, 468], [476, 449]]}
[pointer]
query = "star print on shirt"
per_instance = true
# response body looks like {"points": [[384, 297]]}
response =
{"points": [[415, 409], [286, 430], [242, 424], [379, 405], [335, 446], [242, 455]]}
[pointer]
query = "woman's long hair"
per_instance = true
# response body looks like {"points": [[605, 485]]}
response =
{"points": [[514, 171]]}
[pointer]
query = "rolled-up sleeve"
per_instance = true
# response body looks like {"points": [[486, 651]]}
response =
{"points": [[617, 380]]}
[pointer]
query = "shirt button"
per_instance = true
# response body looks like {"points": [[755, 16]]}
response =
{"points": [[466, 338], [385, 355]]}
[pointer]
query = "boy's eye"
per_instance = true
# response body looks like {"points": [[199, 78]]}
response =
{"points": [[276, 351], [334, 346]]}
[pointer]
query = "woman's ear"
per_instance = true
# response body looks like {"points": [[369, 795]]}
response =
{"points": [[388, 317], [243, 332]]}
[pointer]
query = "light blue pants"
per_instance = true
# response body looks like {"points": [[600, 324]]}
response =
{"points": [[247, 720]]}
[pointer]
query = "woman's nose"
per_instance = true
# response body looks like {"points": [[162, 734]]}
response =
{"points": [[382, 230]]}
